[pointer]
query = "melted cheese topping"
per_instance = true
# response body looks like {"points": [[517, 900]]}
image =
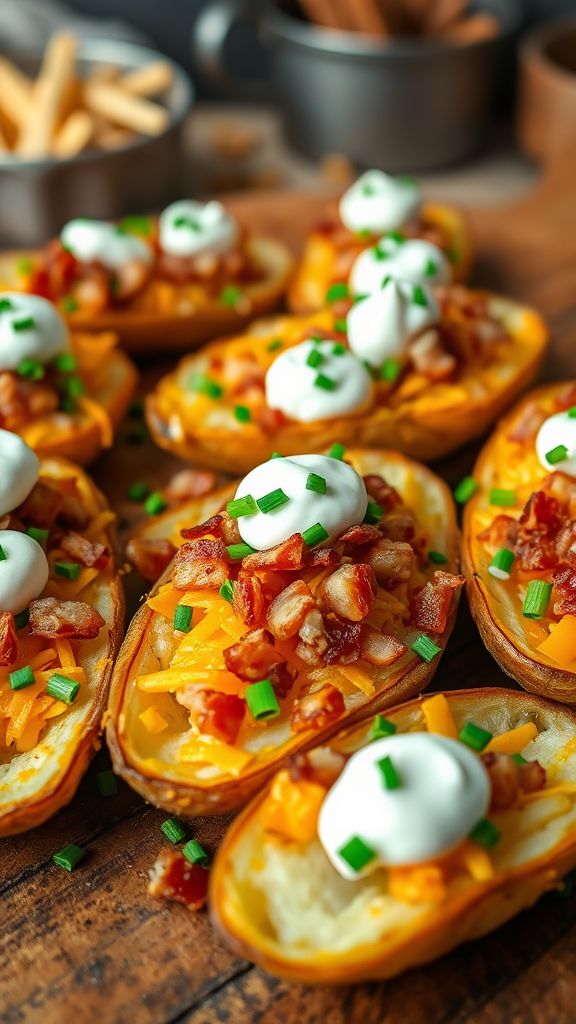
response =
{"points": [[187, 228], [19, 470], [30, 328], [378, 202], [344, 503], [98, 241], [412, 260], [295, 386], [23, 571], [381, 326], [555, 431], [443, 792]]}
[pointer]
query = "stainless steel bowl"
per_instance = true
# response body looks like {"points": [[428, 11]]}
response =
{"points": [[38, 196]]}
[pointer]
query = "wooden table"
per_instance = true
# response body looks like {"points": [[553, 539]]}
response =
{"points": [[92, 947]]}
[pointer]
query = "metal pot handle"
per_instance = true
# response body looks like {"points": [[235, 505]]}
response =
{"points": [[209, 34]]}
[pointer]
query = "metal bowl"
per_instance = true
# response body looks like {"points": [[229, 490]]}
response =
{"points": [[38, 196]]}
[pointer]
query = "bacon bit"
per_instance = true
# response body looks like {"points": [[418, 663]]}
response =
{"points": [[150, 557], [88, 553], [215, 714], [532, 776], [281, 680], [318, 709], [363, 533], [248, 599], [385, 495], [398, 525], [313, 639], [528, 424], [378, 649], [322, 765], [189, 483], [285, 556], [429, 357], [128, 279], [563, 488], [322, 558], [564, 579], [541, 511], [566, 398], [343, 648], [288, 611], [507, 778], [254, 656], [54, 278], [201, 564], [53, 619], [566, 542], [350, 591], [8, 641], [174, 878], [42, 505], [23, 400], [502, 533], [431, 606], [92, 292], [221, 525], [391, 560]]}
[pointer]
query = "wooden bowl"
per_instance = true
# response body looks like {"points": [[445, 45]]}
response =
{"points": [[546, 117]]}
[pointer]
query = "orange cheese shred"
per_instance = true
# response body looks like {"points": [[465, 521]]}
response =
{"points": [[560, 644], [291, 808], [438, 716], [513, 741], [222, 755]]}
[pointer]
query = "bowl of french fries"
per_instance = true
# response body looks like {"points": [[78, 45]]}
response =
{"points": [[90, 127]]}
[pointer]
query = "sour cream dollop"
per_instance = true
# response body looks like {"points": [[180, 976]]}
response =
{"points": [[444, 791], [24, 571], [413, 260], [378, 202], [381, 326], [187, 228], [557, 430], [294, 386], [30, 328], [99, 241], [344, 503], [19, 470]]}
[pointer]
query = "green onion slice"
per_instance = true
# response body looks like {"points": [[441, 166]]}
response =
{"points": [[227, 591], [356, 853], [474, 736], [20, 678], [558, 454], [155, 503], [390, 776], [271, 501], [62, 688], [239, 507], [316, 483], [107, 783], [485, 834], [182, 620], [465, 489], [337, 451], [315, 535], [437, 557], [236, 552], [537, 599], [501, 564], [195, 853], [69, 856], [261, 700], [173, 829], [501, 496], [69, 570], [381, 727], [425, 648]]}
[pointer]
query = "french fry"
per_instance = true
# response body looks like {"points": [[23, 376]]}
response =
{"points": [[55, 78], [367, 17], [74, 135], [443, 13], [473, 29], [150, 80], [118, 106], [15, 93], [322, 13]]}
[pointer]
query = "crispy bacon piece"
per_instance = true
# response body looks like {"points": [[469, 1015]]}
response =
{"points": [[92, 291], [285, 556], [322, 766], [564, 579], [23, 400], [288, 611], [174, 878], [391, 560], [150, 557], [528, 424], [189, 483], [53, 619], [502, 533], [248, 599], [322, 558], [8, 641], [221, 525], [363, 533], [350, 591], [88, 553], [54, 278], [566, 398], [378, 649], [430, 358], [128, 279], [566, 542], [386, 496], [431, 606], [541, 512], [537, 528], [398, 525], [563, 488], [343, 647], [216, 714], [73, 513], [313, 642], [254, 656], [507, 778], [201, 564], [532, 776], [42, 505], [317, 710]]}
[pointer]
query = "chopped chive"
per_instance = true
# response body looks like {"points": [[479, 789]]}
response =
{"points": [[72, 387], [65, 362], [370, 369], [419, 297], [316, 483], [501, 564], [374, 513], [274, 345], [136, 224], [453, 254], [537, 599], [62, 688], [230, 296], [31, 369], [22, 619], [5, 304], [236, 552], [572, 412], [431, 268], [340, 325], [186, 222], [69, 856], [557, 454], [227, 591], [379, 253], [21, 678], [390, 776], [406, 180], [437, 557], [381, 727], [356, 853], [396, 236], [238, 507], [386, 280], [69, 304], [261, 700], [107, 783], [324, 382], [195, 853], [360, 297], [338, 290], [39, 535], [337, 451], [205, 386], [276, 455], [138, 491], [363, 233], [173, 829], [242, 413], [390, 370], [519, 759], [271, 501], [27, 323], [425, 648], [501, 496], [485, 833], [465, 489], [155, 503], [2, 554], [316, 339], [315, 535], [24, 267], [474, 736], [67, 405], [338, 349], [182, 620], [315, 358], [68, 570]]}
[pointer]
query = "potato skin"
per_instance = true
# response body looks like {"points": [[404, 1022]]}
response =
{"points": [[473, 915]]}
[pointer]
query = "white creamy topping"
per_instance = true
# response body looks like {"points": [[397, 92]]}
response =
{"points": [[411, 260], [344, 503], [187, 228], [378, 202], [559, 429], [23, 571], [295, 387], [99, 241], [30, 328], [381, 326], [444, 791], [19, 468]]}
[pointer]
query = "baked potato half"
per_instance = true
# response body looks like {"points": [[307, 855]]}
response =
{"points": [[278, 900], [519, 531], [173, 732]]}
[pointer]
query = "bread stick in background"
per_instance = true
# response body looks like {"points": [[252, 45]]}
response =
{"points": [[321, 12], [15, 93], [74, 135], [440, 14], [48, 96], [473, 29], [150, 80], [109, 100]]}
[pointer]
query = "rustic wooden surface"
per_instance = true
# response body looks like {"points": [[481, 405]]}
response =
{"points": [[92, 947]]}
